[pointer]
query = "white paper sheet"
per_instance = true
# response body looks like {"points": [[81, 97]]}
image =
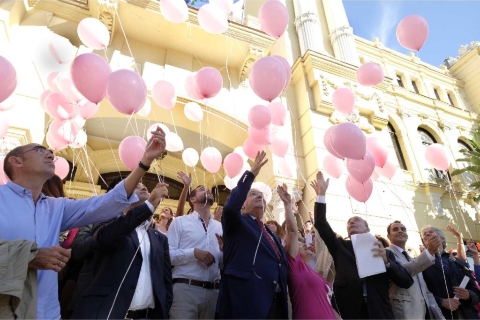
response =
{"points": [[463, 284], [308, 239], [367, 264]]}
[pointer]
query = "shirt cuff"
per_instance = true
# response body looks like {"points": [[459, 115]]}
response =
{"points": [[190, 254], [150, 206], [321, 199], [429, 255]]}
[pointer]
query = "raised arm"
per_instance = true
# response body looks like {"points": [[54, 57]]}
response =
{"points": [[461, 254], [232, 211], [292, 229], [187, 180]]}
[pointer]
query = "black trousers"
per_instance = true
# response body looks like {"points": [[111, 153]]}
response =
{"points": [[275, 311]]}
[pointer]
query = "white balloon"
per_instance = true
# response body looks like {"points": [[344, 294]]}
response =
{"points": [[147, 107], [240, 151], [193, 112], [262, 187], [61, 49], [173, 142], [231, 183], [80, 140], [79, 122], [154, 126], [175, 11], [190, 157], [225, 5]]}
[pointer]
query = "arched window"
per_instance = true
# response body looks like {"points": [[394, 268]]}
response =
{"points": [[427, 139], [396, 147]]}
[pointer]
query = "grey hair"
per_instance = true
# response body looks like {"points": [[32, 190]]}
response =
{"points": [[437, 231]]}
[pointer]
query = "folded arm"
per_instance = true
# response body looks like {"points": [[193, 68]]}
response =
{"points": [[397, 273]]}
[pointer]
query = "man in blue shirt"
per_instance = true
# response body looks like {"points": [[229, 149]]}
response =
{"points": [[26, 213]]}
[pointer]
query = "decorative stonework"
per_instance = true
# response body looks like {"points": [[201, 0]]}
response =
{"points": [[109, 21], [306, 17], [423, 116], [296, 194], [361, 121], [7, 144], [443, 125]]}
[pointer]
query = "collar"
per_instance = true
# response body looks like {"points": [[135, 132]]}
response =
{"points": [[398, 248], [196, 215], [254, 218], [21, 191], [144, 225]]}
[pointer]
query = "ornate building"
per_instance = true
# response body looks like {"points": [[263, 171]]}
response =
{"points": [[416, 105]]}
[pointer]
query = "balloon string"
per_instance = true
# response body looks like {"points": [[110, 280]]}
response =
{"points": [[110, 145], [451, 190], [125, 37]]}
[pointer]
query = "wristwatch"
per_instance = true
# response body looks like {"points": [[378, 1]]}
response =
{"points": [[144, 167]]}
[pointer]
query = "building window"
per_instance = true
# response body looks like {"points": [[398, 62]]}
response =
{"points": [[414, 85], [400, 81], [427, 139], [435, 91], [396, 146], [449, 95]]}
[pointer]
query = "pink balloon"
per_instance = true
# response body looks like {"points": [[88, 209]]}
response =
{"points": [[361, 170], [126, 91], [66, 87], [193, 112], [343, 100], [90, 74], [52, 82], [190, 86], [8, 103], [436, 156], [388, 170], [163, 92], [8, 79], [370, 74], [267, 77], [59, 107], [261, 137], [273, 18], [63, 131], [61, 50], [43, 97], [259, 117], [412, 32], [54, 144], [93, 33], [333, 166], [190, 157], [225, 5], [212, 19], [88, 109], [348, 141], [233, 164], [328, 145], [211, 159], [375, 175], [379, 153], [62, 167], [280, 144], [3, 126], [251, 148], [208, 82], [278, 113], [287, 68], [3, 177], [131, 151], [359, 191], [174, 11]]}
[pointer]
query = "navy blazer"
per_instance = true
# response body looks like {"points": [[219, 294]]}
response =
{"points": [[348, 286], [435, 281], [247, 289], [117, 243]]}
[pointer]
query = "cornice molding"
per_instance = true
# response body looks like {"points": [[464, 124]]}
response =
{"points": [[61, 9]]}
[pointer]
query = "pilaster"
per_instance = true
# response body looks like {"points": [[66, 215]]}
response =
{"points": [[308, 26]]}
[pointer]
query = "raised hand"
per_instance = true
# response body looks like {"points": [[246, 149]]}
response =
{"points": [[453, 231], [51, 258], [220, 241], [380, 251], [320, 185], [155, 146], [187, 180], [283, 194], [259, 162], [158, 194]]}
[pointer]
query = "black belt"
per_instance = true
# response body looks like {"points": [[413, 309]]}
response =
{"points": [[139, 314], [196, 283]]}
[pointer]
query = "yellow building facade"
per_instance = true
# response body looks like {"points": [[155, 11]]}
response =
{"points": [[416, 105]]}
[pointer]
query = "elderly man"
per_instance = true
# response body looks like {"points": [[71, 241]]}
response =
{"points": [[443, 280], [26, 213], [254, 284], [414, 302], [357, 298]]}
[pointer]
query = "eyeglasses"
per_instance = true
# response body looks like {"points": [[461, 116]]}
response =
{"points": [[43, 151]]}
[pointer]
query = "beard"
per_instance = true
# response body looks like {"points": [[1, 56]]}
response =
{"points": [[205, 200]]}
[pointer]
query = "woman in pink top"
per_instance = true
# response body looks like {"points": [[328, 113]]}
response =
{"points": [[310, 293]]}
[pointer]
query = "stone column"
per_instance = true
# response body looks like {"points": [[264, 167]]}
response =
{"points": [[341, 34], [308, 26]]}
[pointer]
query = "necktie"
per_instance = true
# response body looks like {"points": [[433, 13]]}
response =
{"points": [[405, 254], [266, 235]]}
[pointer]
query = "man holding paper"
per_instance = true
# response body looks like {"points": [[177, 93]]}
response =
{"points": [[454, 294], [365, 296]]}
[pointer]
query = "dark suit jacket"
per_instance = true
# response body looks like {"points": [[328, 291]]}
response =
{"points": [[348, 287], [247, 289], [434, 279], [118, 243]]}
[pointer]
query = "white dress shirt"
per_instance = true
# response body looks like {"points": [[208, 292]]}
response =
{"points": [[143, 297], [184, 235]]}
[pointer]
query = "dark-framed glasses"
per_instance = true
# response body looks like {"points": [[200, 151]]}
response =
{"points": [[43, 151]]}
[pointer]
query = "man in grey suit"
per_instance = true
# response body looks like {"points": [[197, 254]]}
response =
{"points": [[411, 303]]}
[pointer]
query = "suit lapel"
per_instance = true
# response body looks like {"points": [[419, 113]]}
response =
{"points": [[152, 235], [259, 233], [134, 237]]}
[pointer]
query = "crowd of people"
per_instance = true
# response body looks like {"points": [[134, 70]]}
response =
{"points": [[111, 257]]}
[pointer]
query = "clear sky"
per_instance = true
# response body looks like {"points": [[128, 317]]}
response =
{"points": [[451, 24]]}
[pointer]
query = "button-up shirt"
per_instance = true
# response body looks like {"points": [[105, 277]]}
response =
{"points": [[42, 222], [184, 235]]}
